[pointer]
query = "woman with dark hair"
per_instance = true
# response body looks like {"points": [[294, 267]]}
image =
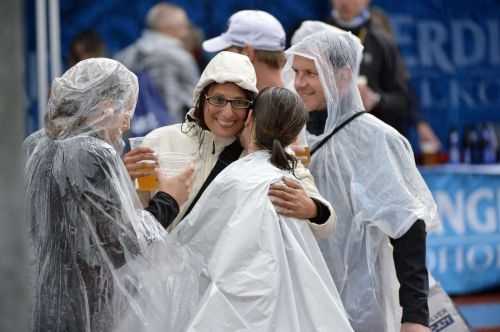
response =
{"points": [[277, 126], [221, 103], [260, 271]]}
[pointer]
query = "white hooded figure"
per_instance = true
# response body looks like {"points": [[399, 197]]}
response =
{"points": [[95, 248], [367, 172], [261, 271]]}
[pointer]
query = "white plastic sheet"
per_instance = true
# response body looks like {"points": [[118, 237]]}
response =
{"points": [[260, 271]]}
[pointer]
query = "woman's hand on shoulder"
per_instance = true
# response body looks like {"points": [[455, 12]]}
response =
{"points": [[291, 200]]}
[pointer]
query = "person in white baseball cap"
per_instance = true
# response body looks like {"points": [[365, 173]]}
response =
{"points": [[261, 37]]}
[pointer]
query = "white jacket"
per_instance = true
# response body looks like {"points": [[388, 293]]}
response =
{"points": [[206, 147]]}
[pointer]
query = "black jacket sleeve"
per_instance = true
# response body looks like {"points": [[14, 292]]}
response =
{"points": [[409, 259], [323, 213], [164, 208]]}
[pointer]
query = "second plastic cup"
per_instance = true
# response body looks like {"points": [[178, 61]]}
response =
{"points": [[173, 163]]}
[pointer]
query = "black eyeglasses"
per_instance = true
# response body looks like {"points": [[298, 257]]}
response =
{"points": [[221, 101]]}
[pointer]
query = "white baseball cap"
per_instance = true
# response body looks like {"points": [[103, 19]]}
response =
{"points": [[256, 28]]}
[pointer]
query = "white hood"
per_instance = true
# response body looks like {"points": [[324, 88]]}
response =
{"points": [[228, 67]]}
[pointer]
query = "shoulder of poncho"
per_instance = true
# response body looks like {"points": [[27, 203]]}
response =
{"points": [[88, 146], [83, 163], [187, 129], [379, 130], [249, 172], [376, 139], [87, 156]]}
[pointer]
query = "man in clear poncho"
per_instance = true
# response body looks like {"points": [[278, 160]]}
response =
{"points": [[94, 246], [367, 172]]}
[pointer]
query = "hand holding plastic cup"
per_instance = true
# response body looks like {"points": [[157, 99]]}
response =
{"points": [[178, 186], [301, 149], [174, 163], [147, 182], [362, 80], [302, 153]]}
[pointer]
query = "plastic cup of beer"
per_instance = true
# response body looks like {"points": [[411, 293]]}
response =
{"points": [[362, 80], [174, 163], [148, 182], [302, 153]]}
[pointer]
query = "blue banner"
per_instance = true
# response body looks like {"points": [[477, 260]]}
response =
{"points": [[452, 51], [464, 252]]}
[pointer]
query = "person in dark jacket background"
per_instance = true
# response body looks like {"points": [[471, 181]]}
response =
{"points": [[384, 79]]}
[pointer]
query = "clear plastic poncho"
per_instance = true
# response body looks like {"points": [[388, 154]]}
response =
{"points": [[367, 172], [260, 271], [99, 258], [309, 27]]}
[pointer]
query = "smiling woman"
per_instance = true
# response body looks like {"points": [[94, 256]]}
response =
{"points": [[224, 109], [211, 135], [221, 101]]}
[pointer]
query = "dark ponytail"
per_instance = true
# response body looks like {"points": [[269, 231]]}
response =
{"points": [[279, 117], [280, 158]]}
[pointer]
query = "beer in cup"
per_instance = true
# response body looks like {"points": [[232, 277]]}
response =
{"points": [[148, 182]]}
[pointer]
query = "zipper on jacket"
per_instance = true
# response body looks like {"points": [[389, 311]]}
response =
{"points": [[213, 147]]}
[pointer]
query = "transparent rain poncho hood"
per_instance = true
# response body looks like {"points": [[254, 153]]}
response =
{"points": [[94, 247], [308, 28], [367, 172]]}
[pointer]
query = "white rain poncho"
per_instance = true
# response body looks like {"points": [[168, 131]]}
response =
{"points": [[308, 28], [368, 174], [260, 271], [95, 249]]}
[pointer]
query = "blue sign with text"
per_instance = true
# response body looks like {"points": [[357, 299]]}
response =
{"points": [[464, 252], [452, 51]]}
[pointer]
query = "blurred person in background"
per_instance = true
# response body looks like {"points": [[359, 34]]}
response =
{"points": [[384, 79], [193, 44], [160, 52], [86, 44], [261, 37], [221, 102], [367, 171]]}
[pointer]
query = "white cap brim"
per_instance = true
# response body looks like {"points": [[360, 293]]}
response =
{"points": [[215, 44]]}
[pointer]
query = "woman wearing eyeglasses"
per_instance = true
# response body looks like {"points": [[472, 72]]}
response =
{"points": [[222, 99], [259, 271]]}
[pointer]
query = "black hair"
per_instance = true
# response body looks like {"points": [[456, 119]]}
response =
{"points": [[86, 44]]}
